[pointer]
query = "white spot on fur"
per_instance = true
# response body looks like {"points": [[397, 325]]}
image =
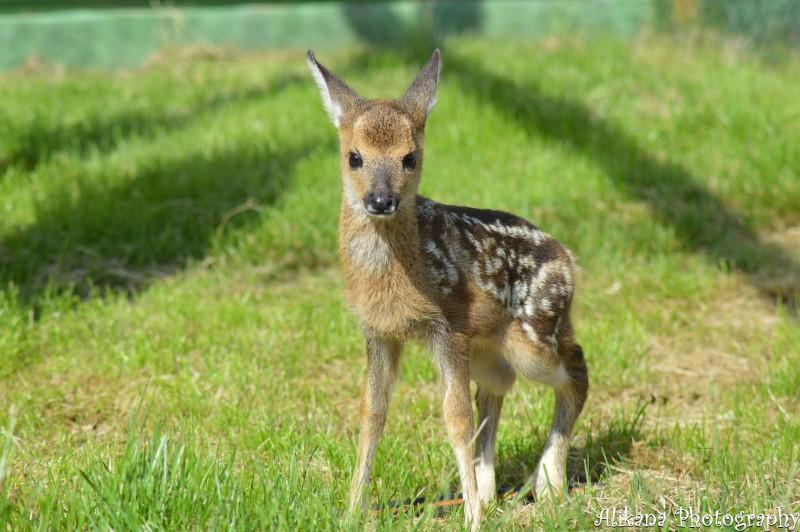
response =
{"points": [[529, 307], [530, 332], [517, 231]]}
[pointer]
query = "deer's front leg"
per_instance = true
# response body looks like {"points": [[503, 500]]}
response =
{"points": [[453, 357], [382, 358]]}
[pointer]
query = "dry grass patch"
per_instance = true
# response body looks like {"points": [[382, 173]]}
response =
{"points": [[715, 344]]}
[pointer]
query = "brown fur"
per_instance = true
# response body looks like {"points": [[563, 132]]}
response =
{"points": [[487, 291]]}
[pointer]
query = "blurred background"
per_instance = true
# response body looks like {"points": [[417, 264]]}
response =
{"points": [[125, 33]]}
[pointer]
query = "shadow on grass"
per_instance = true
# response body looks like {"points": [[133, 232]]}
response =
{"points": [[676, 198], [123, 237], [171, 211], [39, 141], [516, 463]]}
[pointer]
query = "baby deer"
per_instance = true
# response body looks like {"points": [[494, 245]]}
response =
{"points": [[487, 291]]}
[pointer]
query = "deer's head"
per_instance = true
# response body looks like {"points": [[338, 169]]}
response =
{"points": [[381, 140]]}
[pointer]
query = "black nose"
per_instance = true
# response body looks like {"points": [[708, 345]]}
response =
{"points": [[380, 204]]}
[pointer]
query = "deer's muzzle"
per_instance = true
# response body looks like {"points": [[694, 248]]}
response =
{"points": [[381, 203]]}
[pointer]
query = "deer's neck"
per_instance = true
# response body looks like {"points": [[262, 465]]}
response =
{"points": [[383, 270], [377, 247]]}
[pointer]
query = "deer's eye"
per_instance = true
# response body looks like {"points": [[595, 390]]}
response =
{"points": [[355, 160], [410, 161]]}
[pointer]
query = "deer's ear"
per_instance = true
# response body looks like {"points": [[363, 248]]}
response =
{"points": [[420, 97], [337, 96]]}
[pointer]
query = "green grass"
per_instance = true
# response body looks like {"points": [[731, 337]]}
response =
{"points": [[175, 352]]}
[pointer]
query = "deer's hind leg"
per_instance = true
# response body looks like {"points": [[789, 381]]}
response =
{"points": [[545, 352], [494, 377]]}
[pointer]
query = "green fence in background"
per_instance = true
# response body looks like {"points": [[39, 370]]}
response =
{"points": [[93, 33], [760, 21], [126, 36]]}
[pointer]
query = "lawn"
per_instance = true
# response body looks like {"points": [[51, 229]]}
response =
{"points": [[175, 352]]}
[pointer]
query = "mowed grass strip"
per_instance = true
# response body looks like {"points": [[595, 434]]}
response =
{"points": [[175, 352]]}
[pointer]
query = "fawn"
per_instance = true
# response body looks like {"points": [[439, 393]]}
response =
{"points": [[487, 291]]}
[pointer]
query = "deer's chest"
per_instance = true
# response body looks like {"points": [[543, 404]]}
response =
{"points": [[382, 293], [389, 304]]}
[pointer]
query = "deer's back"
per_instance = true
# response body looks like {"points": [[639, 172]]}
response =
{"points": [[491, 267]]}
